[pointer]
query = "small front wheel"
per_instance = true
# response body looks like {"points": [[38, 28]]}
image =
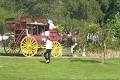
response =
{"points": [[57, 49]]}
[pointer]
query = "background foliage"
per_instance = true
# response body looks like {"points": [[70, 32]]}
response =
{"points": [[72, 15]]}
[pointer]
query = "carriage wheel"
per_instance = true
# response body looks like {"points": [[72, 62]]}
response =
{"points": [[57, 49], [9, 44], [29, 46]]}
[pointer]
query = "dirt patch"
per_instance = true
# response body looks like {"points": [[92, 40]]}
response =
{"points": [[108, 54]]}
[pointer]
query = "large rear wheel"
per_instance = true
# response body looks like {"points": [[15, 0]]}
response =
{"points": [[10, 45], [29, 46]]}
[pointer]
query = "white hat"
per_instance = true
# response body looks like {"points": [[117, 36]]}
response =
{"points": [[50, 21]]}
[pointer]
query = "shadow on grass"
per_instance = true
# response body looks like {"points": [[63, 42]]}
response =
{"points": [[42, 61], [11, 54], [85, 60], [15, 54]]}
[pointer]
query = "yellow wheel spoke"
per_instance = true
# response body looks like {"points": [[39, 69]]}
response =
{"points": [[57, 49], [29, 46]]}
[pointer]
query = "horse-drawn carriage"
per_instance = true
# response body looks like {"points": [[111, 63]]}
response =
{"points": [[27, 35]]}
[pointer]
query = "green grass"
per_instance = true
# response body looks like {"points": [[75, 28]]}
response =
{"points": [[12, 68]]}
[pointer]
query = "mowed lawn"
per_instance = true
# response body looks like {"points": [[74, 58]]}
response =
{"points": [[17, 68]]}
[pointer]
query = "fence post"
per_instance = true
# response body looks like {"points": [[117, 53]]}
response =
{"points": [[104, 52], [84, 51]]}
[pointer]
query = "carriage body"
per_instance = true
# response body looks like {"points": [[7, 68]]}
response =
{"points": [[28, 34]]}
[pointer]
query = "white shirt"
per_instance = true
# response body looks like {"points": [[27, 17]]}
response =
{"points": [[48, 44]]}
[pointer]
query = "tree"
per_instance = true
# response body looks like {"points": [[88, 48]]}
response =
{"points": [[116, 26], [83, 9], [114, 7]]}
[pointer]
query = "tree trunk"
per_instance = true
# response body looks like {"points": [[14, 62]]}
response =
{"points": [[104, 52]]}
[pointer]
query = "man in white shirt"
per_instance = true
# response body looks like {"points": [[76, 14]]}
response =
{"points": [[48, 49]]}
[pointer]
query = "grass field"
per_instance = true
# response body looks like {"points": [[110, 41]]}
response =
{"points": [[17, 68]]}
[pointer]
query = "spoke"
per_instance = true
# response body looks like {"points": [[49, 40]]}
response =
{"points": [[24, 42], [23, 47], [56, 49], [30, 47]]}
